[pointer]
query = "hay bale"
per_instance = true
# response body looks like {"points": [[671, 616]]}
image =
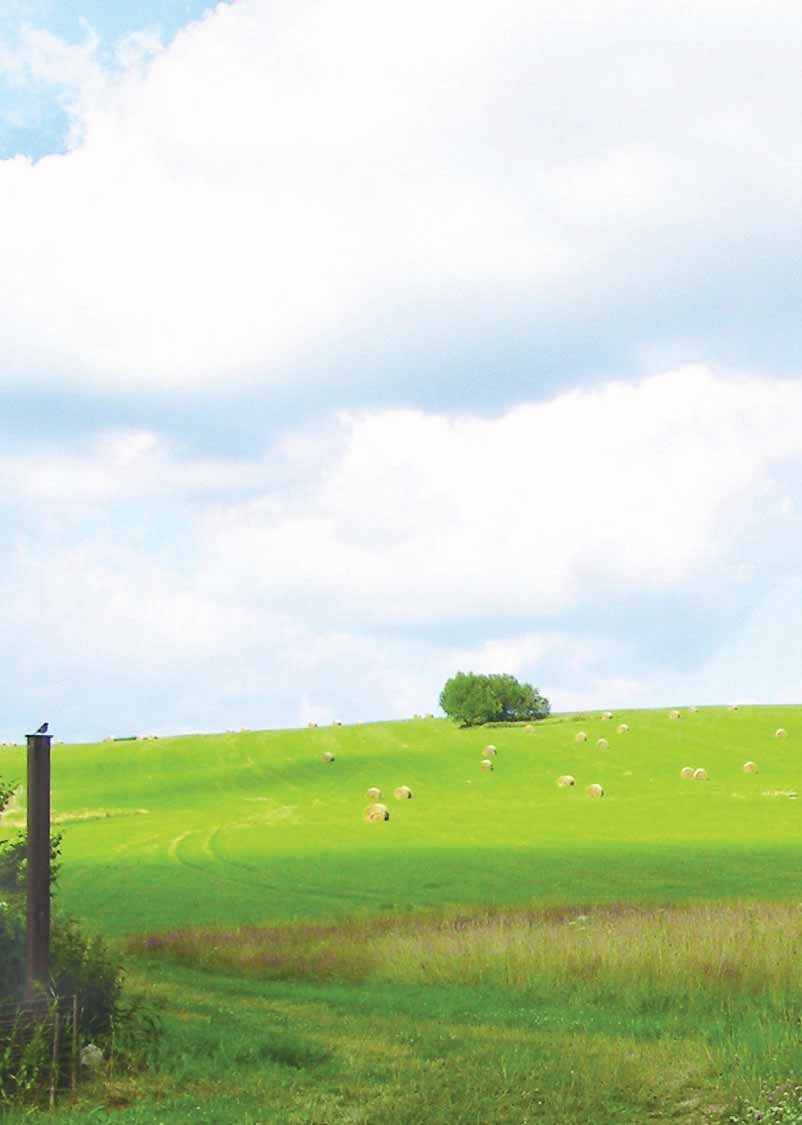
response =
{"points": [[602, 743], [336, 723], [565, 780], [595, 790], [402, 793], [779, 733], [580, 736], [700, 775], [622, 728], [374, 793], [529, 727], [693, 708], [673, 714], [607, 715], [311, 724], [750, 767], [686, 773], [327, 756], [375, 813], [489, 750], [486, 764], [733, 707]]}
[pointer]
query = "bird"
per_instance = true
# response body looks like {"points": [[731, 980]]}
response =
{"points": [[42, 729]]}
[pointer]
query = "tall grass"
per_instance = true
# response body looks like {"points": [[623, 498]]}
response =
{"points": [[609, 1013], [638, 958]]}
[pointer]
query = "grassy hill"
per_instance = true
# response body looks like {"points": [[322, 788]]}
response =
{"points": [[501, 949], [252, 826]]}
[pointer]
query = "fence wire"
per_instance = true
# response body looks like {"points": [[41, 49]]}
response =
{"points": [[39, 1045]]}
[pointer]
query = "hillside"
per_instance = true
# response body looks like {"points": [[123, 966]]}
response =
{"points": [[252, 826]]}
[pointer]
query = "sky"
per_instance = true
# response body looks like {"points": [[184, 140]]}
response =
{"points": [[344, 346]]}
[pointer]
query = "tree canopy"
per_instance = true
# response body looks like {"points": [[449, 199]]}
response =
{"points": [[471, 699]]}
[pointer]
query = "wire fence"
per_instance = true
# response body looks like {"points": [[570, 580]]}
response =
{"points": [[39, 1046]]}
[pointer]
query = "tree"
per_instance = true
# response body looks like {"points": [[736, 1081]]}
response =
{"points": [[472, 699]]}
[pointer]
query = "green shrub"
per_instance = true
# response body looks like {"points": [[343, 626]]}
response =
{"points": [[80, 965]]}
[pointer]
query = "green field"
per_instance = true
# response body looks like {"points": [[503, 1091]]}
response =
{"points": [[500, 949]]}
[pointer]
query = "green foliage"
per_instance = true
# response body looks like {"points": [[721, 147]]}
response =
{"points": [[471, 699], [79, 965], [13, 867], [86, 967]]}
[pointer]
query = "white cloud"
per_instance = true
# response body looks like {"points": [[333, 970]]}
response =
{"points": [[349, 577], [289, 183]]}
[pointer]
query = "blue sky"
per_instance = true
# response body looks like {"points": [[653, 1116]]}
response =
{"points": [[345, 346]]}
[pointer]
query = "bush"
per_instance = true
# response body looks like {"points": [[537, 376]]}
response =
{"points": [[79, 965], [472, 699]]}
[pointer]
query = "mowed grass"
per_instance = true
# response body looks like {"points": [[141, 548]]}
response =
{"points": [[499, 950], [252, 827]]}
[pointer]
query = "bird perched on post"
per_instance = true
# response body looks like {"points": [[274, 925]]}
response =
{"points": [[42, 729]]}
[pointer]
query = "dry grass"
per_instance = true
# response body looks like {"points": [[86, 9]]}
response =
{"points": [[630, 954]]}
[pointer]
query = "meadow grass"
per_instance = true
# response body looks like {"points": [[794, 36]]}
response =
{"points": [[491, 953]]}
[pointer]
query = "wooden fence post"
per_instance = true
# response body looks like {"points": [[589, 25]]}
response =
{"points": [[37, 938]]}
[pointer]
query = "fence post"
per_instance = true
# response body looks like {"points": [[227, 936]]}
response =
{"points": [[74, 1064], [54, 1064], [37, 938]]}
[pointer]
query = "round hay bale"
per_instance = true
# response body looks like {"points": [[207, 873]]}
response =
{"points": [[580, 736], [750, 767], [529, 727], [686, 772], [673, 714], [595, 790], [779, 733], [733, 707], [602, 743], [336, 723], [311, 724], [489, 750], [622, 728], [700, 774], [327, 756], [376, 812], [374, 793], [402, 793], [693, 708], [565, 780], [607, 715], [486, 764]]}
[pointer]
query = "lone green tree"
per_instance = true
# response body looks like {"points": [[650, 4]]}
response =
{"points": [[472, 699]]}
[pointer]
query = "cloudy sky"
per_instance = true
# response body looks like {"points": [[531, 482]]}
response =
{"points": [[344, 345]]}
